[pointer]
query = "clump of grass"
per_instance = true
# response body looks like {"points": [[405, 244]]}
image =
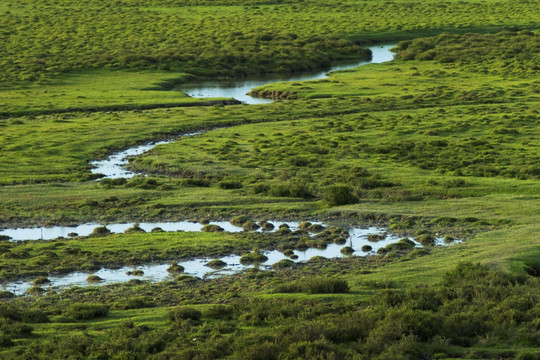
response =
{"points": [[253, 257], [212, 228], [250, 225], [282, 264], [135, 229], [266, 226], [175, 268], [35, 290], [240, 220], [366, 248], [315, 228], [216, 264], [376, 237], [137, 272], [426, 239], [94, 279], [100, 231], [347, 250], [41, 281], [288, 252]]}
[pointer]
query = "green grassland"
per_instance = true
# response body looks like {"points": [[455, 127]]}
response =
{"points": [[98, 90], [443, 140]]}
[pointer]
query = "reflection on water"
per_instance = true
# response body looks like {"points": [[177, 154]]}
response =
{"points": [[239, 89]]}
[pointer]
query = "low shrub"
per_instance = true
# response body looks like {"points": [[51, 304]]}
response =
{"points": [[325, 286], [86, 311], [339, 195], [184, 313]]}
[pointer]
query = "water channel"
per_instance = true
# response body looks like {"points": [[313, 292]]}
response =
{"points": [[239, 89], [114, 166]]}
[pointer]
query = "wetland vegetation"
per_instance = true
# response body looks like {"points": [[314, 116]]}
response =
{"points": [[442, 142]]}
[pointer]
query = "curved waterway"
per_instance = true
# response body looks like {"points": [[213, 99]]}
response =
{"points": [[113, 167], [358, 237], [239, 89]]}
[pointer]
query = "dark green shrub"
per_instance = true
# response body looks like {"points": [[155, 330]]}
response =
{"points": [[4, 294], [366, 248], [35, 316], [184, 313], [223, 312], [229, 185], [339, 195], [325, 286], [86, 311]]}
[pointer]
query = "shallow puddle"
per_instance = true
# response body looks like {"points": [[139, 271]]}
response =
{"points": [[358, 237]]}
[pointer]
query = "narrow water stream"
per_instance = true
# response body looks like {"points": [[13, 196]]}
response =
{"points": [[114, 166], [239, 89]]}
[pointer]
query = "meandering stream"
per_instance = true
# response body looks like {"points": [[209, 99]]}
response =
{"points": [[114, 166], [239, 89]]}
